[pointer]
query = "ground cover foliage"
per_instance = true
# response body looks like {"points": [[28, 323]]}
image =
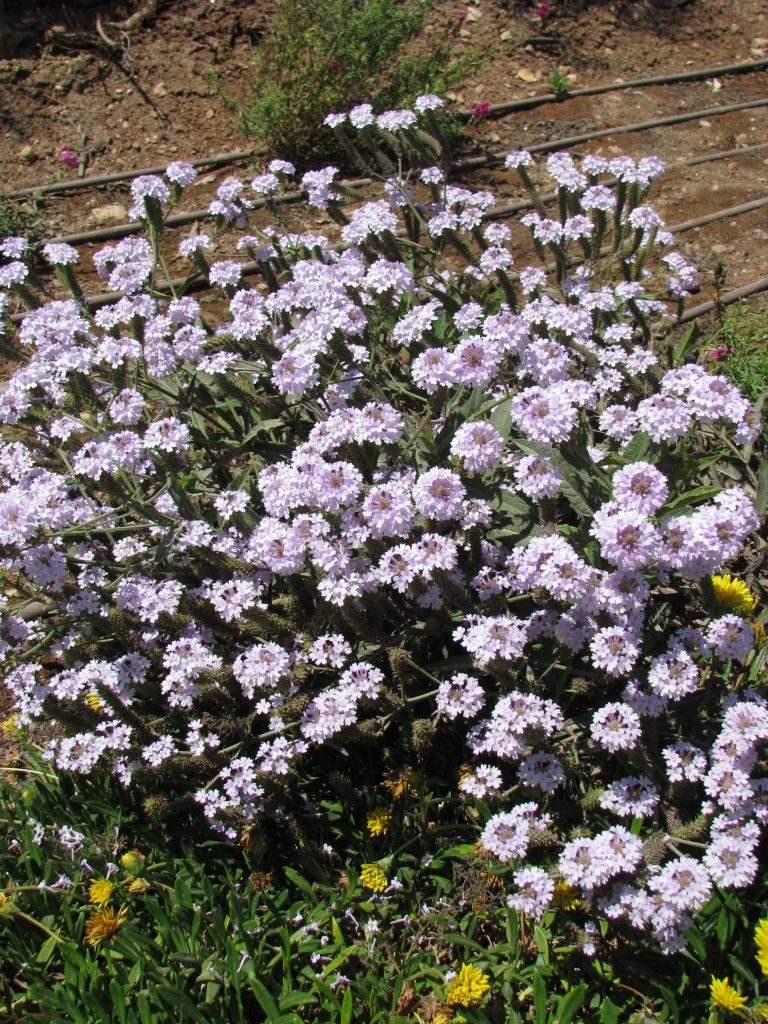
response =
{"points": [[426, 586], [316, 58]]}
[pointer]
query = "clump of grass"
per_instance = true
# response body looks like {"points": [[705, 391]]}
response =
{"points": [[325, 57], [19, 218], [740, 344]]}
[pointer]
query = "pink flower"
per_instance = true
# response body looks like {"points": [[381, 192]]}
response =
{"points": [[542, 10], [719, 353], [66, 156], [334, 64], [481, 109]]}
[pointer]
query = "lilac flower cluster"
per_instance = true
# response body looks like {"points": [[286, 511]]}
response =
{"points": [[396, 492]]}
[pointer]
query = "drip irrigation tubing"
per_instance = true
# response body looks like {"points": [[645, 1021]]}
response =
{"points": [[108, 179], [754, 288], [473, 163], [496, 109], [195, 281], [178, 219], [528, 103]]}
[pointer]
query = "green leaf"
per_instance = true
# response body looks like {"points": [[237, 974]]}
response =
{"points": [[540, 999], [570, 1003], [761, 497], [117, 996], [696, 496], [609, 1012], [299, 881], [336, 932], [346, 1007], [47, 950], [687, 341], [637, 447], [266, 1002], [142, 1005], [542, 942], [462, 940]]}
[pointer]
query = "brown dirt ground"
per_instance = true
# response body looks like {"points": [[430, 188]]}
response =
{"points": [[58, 94]]}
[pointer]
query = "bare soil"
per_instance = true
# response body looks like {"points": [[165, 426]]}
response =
{"points": [[156, 100]]}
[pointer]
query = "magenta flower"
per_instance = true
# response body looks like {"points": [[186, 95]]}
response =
{"points": [[66, 156], [481, 109]]}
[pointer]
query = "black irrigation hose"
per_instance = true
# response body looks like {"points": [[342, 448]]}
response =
{"points": [[107, 179], [732, 211], [195, 281], [177, 219], [500, 109], [745, 67], [755, 288], [473, 163]]}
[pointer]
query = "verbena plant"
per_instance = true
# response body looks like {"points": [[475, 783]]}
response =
{"points": [[401, 509]]}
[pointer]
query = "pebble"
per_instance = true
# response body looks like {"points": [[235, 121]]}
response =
{"points": [[112, 213], [161, 89], [27, 154]]}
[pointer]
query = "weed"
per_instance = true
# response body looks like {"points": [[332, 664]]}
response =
{"points": [[19, 218], [740, 344], [325, 57], [560, 83]]}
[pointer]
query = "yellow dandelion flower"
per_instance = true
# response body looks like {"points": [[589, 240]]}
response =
{"points": [[372, 877], [132, 861], [725, 995], [566, 897], [100, 892], [94, 701], [469, 986], [103, 924], [401, 784], [733, 594], [137, 886], [378, 821], [761, 941], [10, 725]]}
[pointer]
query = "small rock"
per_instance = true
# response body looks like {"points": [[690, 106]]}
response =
{"points": [[27, 154], [473, 14], [210, 114], [718, 249], [112, 213], [161, 89]]}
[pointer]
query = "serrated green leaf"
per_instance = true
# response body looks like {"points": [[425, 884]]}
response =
{"points": [[609, 1012]]}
